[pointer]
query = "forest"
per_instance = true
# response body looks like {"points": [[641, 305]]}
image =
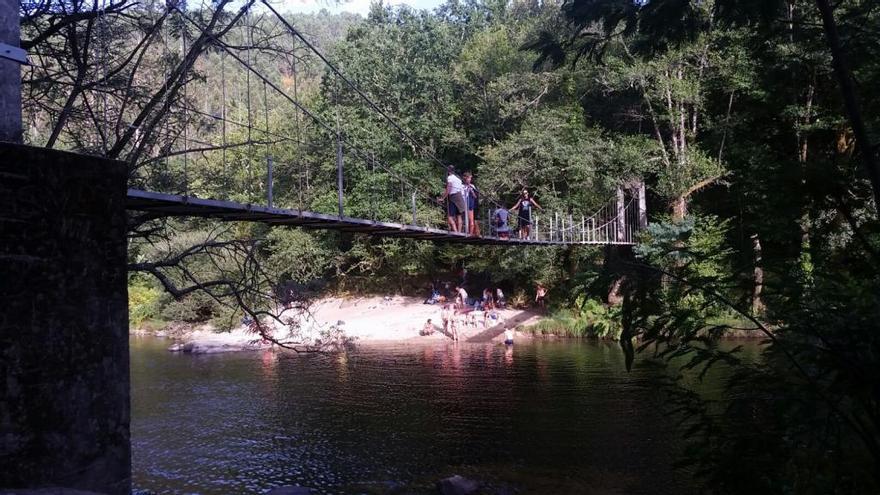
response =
{"points": [[754, 125]]}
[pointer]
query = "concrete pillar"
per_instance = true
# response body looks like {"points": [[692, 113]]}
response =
{"points": [[64, 363], [10, 75]]}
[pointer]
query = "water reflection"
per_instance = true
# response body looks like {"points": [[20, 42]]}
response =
{"points": [[540, 418], [342, 367]]}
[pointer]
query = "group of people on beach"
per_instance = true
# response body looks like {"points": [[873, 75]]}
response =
{"points": [[460, 311], [462, 198]]}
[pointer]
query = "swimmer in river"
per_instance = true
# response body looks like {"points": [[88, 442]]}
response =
{"points": [[508, 337]]}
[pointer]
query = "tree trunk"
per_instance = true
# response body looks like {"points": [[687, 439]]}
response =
{"points": [[679, 208], [614, 254], [804, 222], [847, 90], [615, 295], [757, 277]]}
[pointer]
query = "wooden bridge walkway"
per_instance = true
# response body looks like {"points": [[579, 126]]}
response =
{"points": [[172, 205]]}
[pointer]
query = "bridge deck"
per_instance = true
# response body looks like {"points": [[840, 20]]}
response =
{"points": [[172, 205]]}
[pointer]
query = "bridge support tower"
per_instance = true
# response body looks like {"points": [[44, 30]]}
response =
{"points": [[64, 363]]}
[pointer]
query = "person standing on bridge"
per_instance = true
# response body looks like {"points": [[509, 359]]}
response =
{"points": [[524, 219], [472, 199], [455, 194], [502, 230]]}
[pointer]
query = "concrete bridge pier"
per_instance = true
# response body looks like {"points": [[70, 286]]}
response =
{"points": [[64, 363]]}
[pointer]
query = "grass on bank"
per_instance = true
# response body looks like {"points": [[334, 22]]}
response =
{"points": [[589, 318]]}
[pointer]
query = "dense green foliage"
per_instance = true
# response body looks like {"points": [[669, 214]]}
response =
{"points": [[746, 95]]}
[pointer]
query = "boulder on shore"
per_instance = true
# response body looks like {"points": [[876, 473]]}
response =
{"points": [[209, 342], [457, 485]]}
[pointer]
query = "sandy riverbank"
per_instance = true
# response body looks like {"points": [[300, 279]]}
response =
{"points": [[364, 319], [400, 318]]}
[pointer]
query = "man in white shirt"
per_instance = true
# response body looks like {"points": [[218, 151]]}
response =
{"points": [[456, 206], [462, 296]]}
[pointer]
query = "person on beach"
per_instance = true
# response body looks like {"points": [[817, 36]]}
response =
{"points": [[499, 298], [446, 317], [434, 298], [524, 213], [456, 206], [502, 229], [491, 318], [428, 329], [472, 199], [450, 323], [461, 297], [540, 295], [488, 301]]}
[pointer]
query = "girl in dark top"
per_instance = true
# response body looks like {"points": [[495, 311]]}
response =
{"points": [[472, 199], [524, 204]]}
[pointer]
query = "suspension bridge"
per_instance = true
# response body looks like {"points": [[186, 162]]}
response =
{"points": [[261, 58]]}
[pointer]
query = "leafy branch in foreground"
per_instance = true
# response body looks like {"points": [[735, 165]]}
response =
{"points": [[231, 273], [800, 416]]}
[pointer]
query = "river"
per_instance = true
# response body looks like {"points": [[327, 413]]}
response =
{"points": [[543, 417]]}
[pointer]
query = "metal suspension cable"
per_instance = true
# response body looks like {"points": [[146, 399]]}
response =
{"points": [[363, 96], [266, 115], [185, 119], [296, 120], [281, 92], [208, 145], [166, 104], [239, 124], [223, 113], [314, 117], [102, 23], [347, 81], [249, 43]]}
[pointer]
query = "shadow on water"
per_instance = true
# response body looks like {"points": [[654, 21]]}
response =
{"points": [[544, 417]]}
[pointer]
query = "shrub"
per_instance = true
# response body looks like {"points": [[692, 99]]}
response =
{"points": [[144, 303], [603, 321], [589, 318], [519, 299]]}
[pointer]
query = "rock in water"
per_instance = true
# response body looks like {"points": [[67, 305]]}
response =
{"points": [[184, 347], [457, 485], [289, 490]]}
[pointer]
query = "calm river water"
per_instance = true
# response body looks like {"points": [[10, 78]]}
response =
{"points": [[544, 417]]}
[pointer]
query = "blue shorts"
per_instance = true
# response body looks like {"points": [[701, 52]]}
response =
{"points": [[456, 204]]}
